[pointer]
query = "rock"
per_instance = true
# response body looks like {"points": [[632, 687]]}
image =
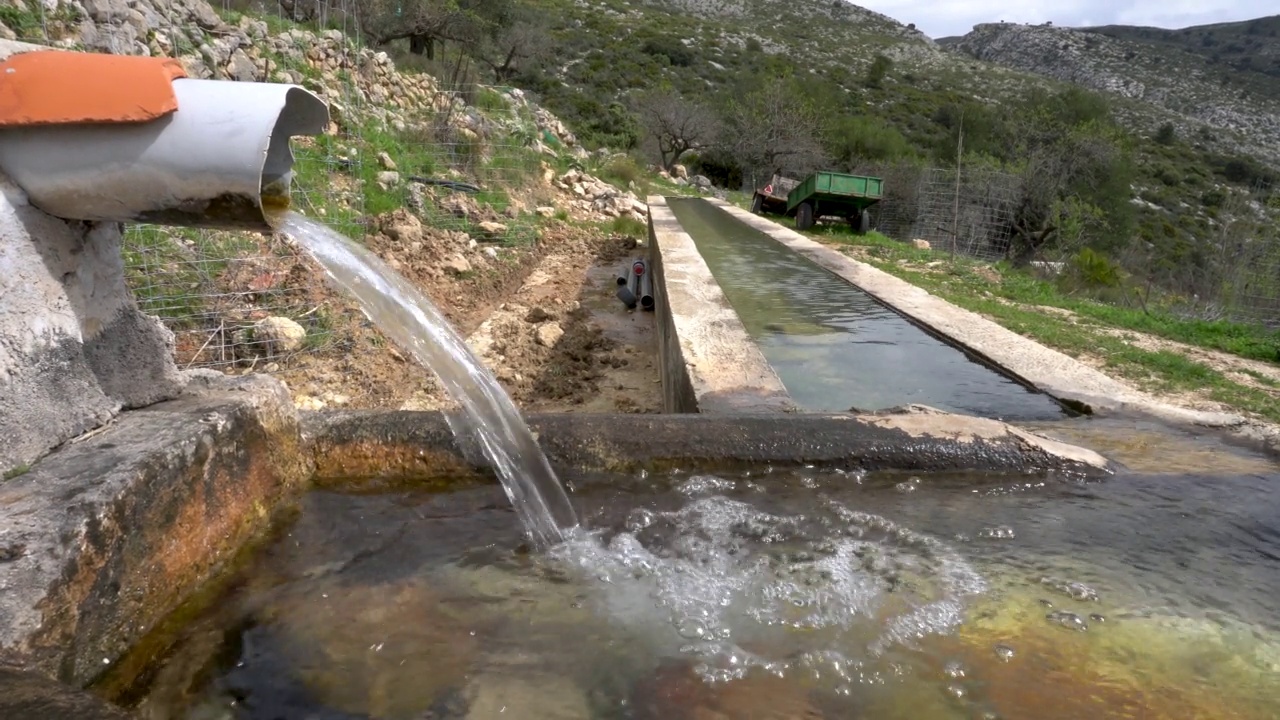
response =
{"points": [[921, 244], [493, 229], [460, 205], [456, 264], [680, 172], [241, 68], [537, 315], [545, 211], [279, 334], [548, 334], [403, 227], [308, 402], [700, 181], [388, 179], [675, 692], [385, 160]]}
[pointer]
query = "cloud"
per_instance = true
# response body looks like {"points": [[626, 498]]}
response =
{"points": [[941, 18]]}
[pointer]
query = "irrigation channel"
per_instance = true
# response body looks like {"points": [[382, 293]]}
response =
{"points": [[834, 346]]}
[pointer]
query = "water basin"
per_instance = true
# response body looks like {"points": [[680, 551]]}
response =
{"points": [[765, 594], [833, 345]]}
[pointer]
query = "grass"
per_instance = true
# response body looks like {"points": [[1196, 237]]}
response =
{"points": [[1014, 301], [16, 471]]}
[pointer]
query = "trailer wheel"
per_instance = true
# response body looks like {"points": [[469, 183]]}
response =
{"points": [[860, 222], [757, 203], [804, 216]]}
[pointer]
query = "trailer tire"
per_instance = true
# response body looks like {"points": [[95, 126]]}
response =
{"points": [[860, 222], [757, 204], [804, 216]]}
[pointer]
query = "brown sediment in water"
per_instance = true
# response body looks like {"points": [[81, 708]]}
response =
{"points": [[1164, 451], [1120, 667]]}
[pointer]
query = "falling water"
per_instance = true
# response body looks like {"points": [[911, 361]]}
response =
{"points": [[406, 315]]}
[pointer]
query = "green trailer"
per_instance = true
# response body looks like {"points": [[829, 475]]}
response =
{"points": [[831, 194]]}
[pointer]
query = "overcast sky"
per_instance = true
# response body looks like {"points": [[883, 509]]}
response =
{"points": [[941, 18]]}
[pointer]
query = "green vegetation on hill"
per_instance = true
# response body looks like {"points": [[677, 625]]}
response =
{"points": [[796, 86], [1053, 313], [1252, 46]]}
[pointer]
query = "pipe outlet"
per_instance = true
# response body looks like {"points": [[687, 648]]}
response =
{"points": [[221, 159]]}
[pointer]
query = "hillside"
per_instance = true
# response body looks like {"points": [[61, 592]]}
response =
{"points": [[481, 198], [1166, 162], [1212, 83], [1249, 46]]}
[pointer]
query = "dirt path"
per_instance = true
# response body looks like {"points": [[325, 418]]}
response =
{"points": [[561, 342]]}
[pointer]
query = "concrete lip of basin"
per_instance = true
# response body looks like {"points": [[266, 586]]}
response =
{"points": [[104, 539]]}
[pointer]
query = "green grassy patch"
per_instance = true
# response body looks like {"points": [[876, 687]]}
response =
{"points": [[1162, 371], [16, 471]]}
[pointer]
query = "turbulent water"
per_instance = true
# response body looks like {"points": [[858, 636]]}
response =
{"points": [[489, 416], [732, 580]]}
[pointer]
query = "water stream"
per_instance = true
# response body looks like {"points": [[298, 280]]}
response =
{"points": [[489, 416], [833, 345]]}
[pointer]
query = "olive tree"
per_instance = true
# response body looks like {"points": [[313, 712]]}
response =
{"points": [[674, 124]]}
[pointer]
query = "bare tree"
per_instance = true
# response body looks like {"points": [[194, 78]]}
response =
{"points": [[1053, 172], [675, 125], [518, 45], [774, 130], [427, 22]]}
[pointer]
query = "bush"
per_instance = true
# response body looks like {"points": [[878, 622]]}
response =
{"points": [[1167, 134], [876, 73], [855, 138]]}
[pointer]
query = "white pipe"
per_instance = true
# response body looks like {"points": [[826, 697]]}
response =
{"points": [[222, 160]]}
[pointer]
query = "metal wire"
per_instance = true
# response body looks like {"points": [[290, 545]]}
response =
{"points": [[461, 151]]}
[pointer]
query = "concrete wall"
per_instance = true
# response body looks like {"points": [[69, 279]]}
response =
{"points": [[74, 349], [708, 361], [1048, 370]]}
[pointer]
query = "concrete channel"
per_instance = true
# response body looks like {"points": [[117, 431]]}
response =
{"points": [[1061, 377]]}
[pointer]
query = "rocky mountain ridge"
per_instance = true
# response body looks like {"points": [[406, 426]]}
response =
{"points": [[1240, 110]]}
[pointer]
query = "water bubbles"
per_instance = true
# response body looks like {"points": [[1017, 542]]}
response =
{"points": [[639, 519], [690, 629], [1068, 620], [1004, 652], [704, 484], [954, 669], [1000, 532], [719, 575], [1073, 590], [910, 485], [1097, 618], [956, 691]]}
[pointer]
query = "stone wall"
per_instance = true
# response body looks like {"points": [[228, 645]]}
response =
{"points": [[74, 349]]}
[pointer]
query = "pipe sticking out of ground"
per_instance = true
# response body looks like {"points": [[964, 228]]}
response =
{"points": [[110, 138]]}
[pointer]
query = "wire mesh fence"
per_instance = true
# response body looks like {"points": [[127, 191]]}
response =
{"points": [[1233, 273], [970, 213]]}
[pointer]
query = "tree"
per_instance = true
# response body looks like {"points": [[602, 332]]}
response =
{"points": [[427, 22], [774, 129], [674, 124], [515, 46]]}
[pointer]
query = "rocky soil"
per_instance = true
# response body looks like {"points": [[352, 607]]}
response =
{"points": [[542, 318]]}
